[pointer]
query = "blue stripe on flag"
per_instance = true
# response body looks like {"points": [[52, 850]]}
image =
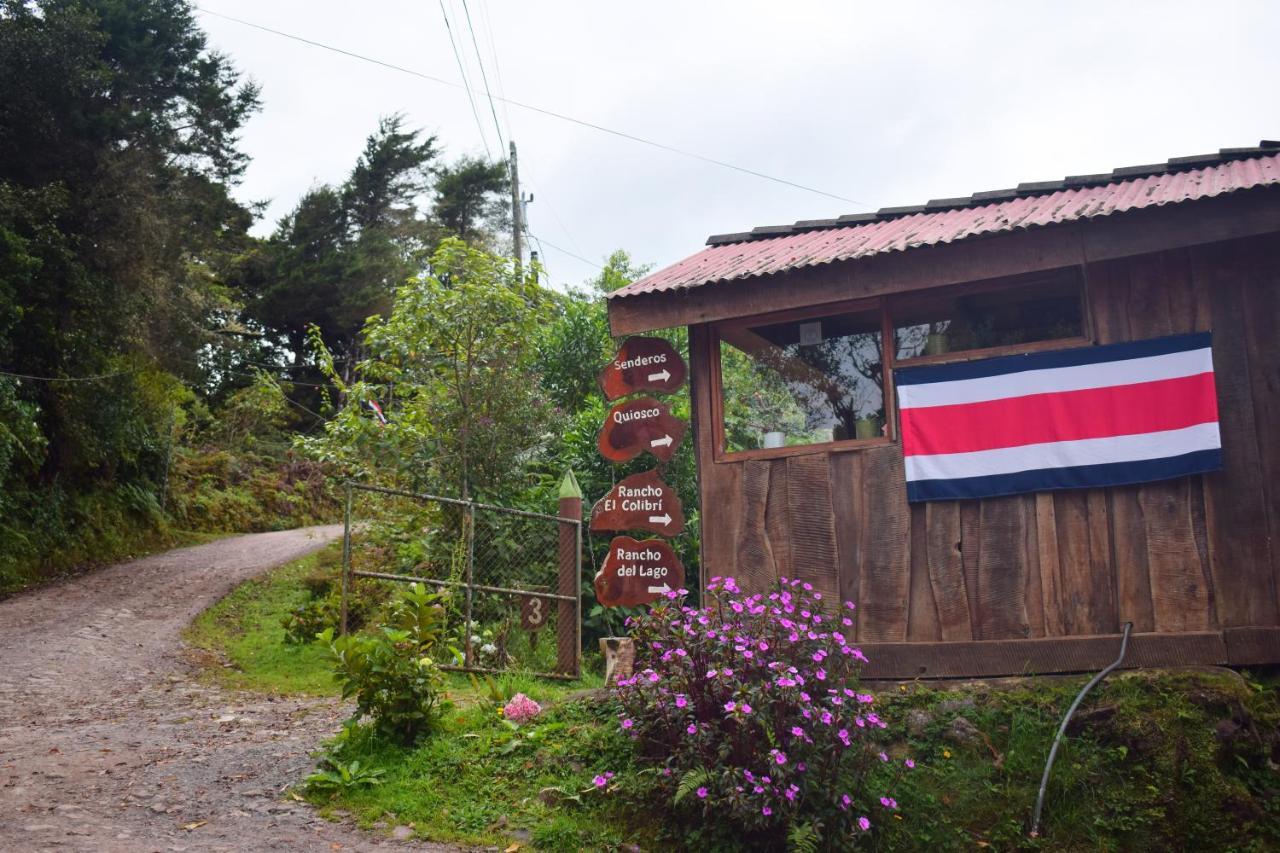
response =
{"points": [[1078, 477], [1044, 360]]}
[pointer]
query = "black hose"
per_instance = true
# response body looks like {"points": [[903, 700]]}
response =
{"points": [[1057, 740]]}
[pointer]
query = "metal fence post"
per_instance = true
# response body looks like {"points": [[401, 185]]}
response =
{"points": [[470, 533], [568, 645], [346, 558]]}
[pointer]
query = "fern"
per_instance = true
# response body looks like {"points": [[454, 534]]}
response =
{"points": [[802, 838], [692, 781]]}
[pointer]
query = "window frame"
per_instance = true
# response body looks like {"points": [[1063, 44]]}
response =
{"points": [[853, 306], [886, 306]]}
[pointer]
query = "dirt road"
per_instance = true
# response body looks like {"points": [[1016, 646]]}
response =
{"points": [[108, 743]]}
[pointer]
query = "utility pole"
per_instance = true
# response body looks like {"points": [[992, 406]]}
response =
{"points": [[517, 212]]}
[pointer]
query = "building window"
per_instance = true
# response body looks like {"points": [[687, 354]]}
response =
{"points": [[803, 382], [972, 317]]}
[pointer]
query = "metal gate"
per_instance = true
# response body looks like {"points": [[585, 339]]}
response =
{"points": [[516, 575]]}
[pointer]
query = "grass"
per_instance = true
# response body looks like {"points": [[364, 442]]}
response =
{"points": [[1165, 760], [245, 628]]}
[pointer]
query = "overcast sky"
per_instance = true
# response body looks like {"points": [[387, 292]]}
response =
{"points": [[882, 104]]}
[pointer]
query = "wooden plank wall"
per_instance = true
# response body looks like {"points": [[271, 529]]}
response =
{"points": [[1190, 555]]}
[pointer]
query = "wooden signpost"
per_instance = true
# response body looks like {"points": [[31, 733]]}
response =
{"points": [[640, 571], [638, 426], [643, 364], [639, 502]]}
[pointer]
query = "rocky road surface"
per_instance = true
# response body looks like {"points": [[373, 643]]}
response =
{"points": [[108, 742]]}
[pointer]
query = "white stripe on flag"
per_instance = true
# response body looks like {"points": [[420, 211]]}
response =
{"points": [[1054, 379], [1064, 454]]}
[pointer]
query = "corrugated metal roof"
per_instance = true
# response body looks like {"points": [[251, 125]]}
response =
{"points": [[777, 248]]}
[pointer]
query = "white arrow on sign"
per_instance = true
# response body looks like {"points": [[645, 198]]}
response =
{"points": [[665, 441], [663, 519], [660, 377], [662, 590]]}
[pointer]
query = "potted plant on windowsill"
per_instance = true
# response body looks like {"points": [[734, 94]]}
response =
{"points": [[868, 426]]}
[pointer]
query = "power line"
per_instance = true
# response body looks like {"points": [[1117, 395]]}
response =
{"points": [[502, 145], [540, 110], [497, 69], [456, 55], [94, 378], [565, 251]]}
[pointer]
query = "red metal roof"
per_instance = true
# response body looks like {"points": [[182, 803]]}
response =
{"points": [[776, 249]]}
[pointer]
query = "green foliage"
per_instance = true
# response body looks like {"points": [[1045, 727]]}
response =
{"points": [[750, 712], [452, 364], [390, 673], [335, 775], [465, 785]]}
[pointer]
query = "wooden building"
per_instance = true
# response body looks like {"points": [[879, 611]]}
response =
{"points": [[801, 467]]}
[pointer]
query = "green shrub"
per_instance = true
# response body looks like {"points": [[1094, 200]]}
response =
{"points": [[390, 673], [750, 711]]}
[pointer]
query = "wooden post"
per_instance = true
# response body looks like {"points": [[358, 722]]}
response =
{"points": [[568, 619], [346, 561]]}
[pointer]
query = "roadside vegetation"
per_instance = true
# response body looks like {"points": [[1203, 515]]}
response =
{"points": [[1153, 760]]}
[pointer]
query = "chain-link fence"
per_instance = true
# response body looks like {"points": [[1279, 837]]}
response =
{"points": [[513, 577]]}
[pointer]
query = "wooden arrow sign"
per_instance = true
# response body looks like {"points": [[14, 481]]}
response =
{"points": [[639, 502], [643, 364], [637, 572], [640, 425]]}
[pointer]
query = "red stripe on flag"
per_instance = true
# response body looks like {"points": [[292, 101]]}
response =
{"points": [[1062, 416]]}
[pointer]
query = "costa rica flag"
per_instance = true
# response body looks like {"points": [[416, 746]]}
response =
{"points": [[1082, 418]]}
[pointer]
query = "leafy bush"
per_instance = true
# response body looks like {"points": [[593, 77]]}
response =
{"points": [[323, 610], [750, 711], [390, 673], [334, 775]]}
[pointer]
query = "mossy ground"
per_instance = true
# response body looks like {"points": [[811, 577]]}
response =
{"points": [[1169, 760]]}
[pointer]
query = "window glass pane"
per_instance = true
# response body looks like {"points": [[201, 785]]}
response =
{"points": [[804, 382], [1036, 311]]}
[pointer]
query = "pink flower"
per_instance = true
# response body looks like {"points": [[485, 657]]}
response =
{"points": [[766, 811], [797, 731], [911, 764], [693, 729], [521, 709], [779, 756], [681, 701], [626, 724], [864, 824], [702, 793], [746, 709], [729, 707], [883, 757], [601, 781], [889, 802]]}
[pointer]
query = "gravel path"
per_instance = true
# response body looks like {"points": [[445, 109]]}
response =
{"points": [[109, 743]]}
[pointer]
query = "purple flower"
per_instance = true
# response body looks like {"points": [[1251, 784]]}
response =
{"points": [[730, 706], [599, 781], [711, 673], [797, 731], [911, 764], [702, 793], [779, 756], [766, 811], [889, 802], [883, 757], [820, 674], [681, 701], [845, 801], [864, 824], [746, 709], [693, 729], [628, 723]]}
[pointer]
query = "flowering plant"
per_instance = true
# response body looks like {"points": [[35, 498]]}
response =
{"points": [[521, 709], [750, 709]]}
